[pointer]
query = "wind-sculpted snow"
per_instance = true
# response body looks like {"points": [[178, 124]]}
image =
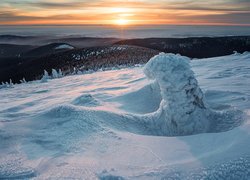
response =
{"points": [[182, 108], [116, 124]]}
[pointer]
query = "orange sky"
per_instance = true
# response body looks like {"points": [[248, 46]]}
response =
{"points": [[126, 12]]}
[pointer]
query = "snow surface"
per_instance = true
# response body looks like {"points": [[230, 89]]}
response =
{"points": [[103, 125], [64, 46]]}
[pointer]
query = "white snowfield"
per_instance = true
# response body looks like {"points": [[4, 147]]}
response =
{"points": [[182, 120]]}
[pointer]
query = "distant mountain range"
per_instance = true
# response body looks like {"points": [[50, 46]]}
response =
{"points": [[201, 47]]}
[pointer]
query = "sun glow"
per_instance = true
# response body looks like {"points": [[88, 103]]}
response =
{"points": [[122, 22]]}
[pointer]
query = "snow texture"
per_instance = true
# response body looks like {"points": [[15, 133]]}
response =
{"points": [[115, 124]]}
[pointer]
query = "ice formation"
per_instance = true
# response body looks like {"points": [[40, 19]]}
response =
{"points": [[182, 110]]}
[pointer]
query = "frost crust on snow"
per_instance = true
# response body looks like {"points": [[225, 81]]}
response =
{"points": [[182, 110]]}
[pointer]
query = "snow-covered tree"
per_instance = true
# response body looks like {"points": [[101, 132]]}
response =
{"points": [[45, 76], [54, 74], [60, 74], [3, 85], [23, 80], [79, 72], [74, 71], [11, 84], [182, 109]]}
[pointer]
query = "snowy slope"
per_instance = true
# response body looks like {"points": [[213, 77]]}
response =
{"points": [[99, 126]]}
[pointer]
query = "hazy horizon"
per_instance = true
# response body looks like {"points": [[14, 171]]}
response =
{"points": [[142, 31]]}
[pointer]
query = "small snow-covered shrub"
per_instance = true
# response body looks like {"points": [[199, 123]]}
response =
{"points": [[7, 84], [54, 75]]}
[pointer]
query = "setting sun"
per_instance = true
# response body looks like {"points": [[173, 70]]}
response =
{"points": [[122, 22]]}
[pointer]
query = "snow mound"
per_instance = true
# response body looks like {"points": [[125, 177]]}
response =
{"points": [[182, 107], [86, 100], [64, 46]]}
